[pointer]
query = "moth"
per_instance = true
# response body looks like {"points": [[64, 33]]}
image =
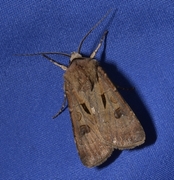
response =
{"points": [[102, 121]]}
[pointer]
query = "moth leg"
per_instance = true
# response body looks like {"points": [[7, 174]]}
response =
{"points": [[99, 45], [125, 89], [62, 108], [55, 63]]}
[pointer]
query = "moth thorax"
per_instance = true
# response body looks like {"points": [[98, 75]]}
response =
{"points": [[75, 55]]}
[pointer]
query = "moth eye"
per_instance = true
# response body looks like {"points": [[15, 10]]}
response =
{"points": [[118, 113], [84, 129], [85, 108], [103, 100]]}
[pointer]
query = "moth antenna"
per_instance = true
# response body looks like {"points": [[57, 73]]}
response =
{"points": [[50, 59], [80, 45], [99, 45], [55, 62], [41, 53]]}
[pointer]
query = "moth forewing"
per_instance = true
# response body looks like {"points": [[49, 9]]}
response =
{"points": [[79, 89], [120, 125]]}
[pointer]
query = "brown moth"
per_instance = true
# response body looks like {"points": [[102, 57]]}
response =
{"points": [[102, 121]]}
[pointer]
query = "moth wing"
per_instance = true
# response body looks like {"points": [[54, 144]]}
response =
{"points": [[89, 141], [119, 126]]}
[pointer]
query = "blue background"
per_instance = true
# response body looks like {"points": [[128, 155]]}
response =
{"points": [[138, 52]]}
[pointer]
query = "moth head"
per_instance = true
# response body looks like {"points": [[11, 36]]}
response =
{"points": [[75, 55]]}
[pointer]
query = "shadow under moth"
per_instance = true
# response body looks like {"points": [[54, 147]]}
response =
{"points": [[102, 121]]}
